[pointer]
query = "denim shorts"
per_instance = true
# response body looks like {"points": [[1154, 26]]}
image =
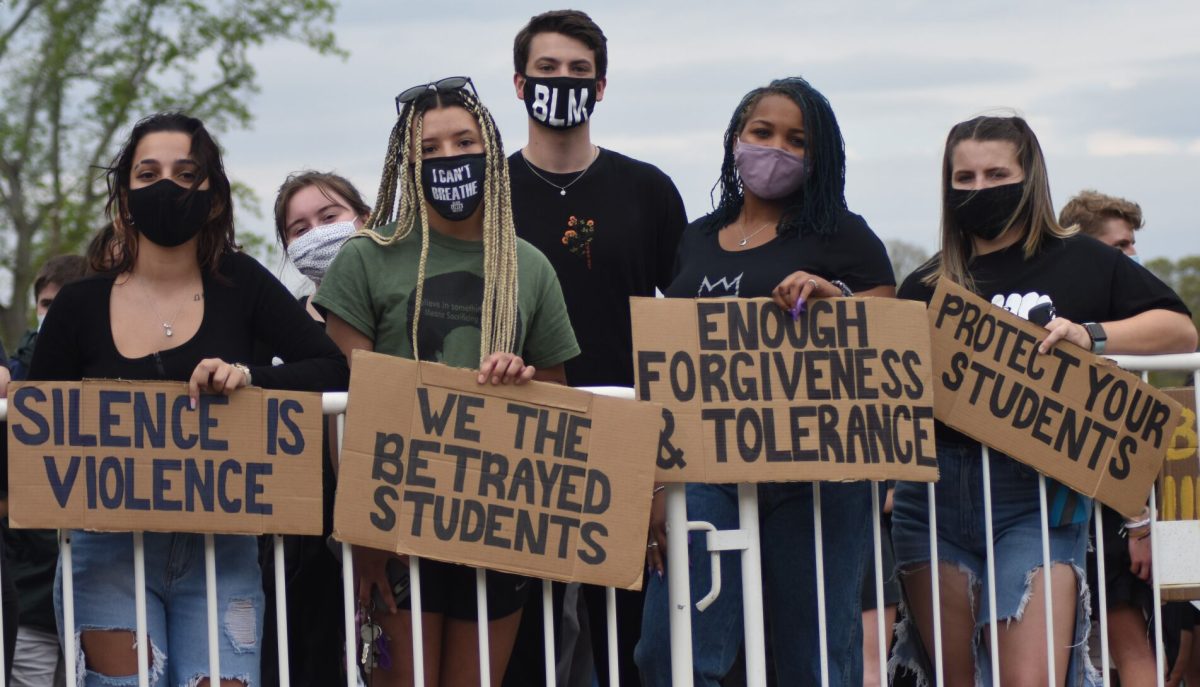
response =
{"points": [[176, 603], [1016, 523]]}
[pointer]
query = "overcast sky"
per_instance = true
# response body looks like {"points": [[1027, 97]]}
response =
{"points": [[1112, 90]]}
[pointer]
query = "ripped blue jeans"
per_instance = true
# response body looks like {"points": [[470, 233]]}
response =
{"points": [[1016, 526], [176, 603]]}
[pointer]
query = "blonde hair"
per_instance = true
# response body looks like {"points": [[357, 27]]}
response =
{"points": [[402, 171], [1034, 213]]}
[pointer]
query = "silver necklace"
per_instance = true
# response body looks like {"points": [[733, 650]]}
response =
{"points": [[746, 237], [167, 325], [562, 190]]}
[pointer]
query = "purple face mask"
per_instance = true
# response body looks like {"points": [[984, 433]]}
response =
{"points": [[770, 173]]}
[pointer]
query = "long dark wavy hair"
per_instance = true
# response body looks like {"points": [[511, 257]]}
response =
{"points": [[114, 249], [814, 207]]}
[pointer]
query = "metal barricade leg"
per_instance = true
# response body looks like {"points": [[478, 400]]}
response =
{"points": [[614, 664], [348, 615], [679, 586], [418, 637], [752, 609], [139, 591], [880, 608], [210, 587], [935, 577], [481, 606], [1101, 581], [1047, 588], [1160, 659], [548, 640], [70, 652], [990, 536], [819, 546], [281, 616]]}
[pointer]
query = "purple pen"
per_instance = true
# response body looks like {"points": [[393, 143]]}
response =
{"points": [[797, 308]]}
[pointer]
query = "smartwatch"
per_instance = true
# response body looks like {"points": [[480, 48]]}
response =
{"points": [[1099, 338]]}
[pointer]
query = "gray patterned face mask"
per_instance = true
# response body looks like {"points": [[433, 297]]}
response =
{"points": [[314, 250]]}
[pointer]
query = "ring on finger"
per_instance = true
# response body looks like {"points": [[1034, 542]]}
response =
{"points": [[816, 287]]}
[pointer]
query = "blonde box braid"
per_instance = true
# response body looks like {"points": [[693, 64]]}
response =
{"points": [[498, 316]]}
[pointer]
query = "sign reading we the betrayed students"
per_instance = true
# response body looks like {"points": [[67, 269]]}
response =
{"points": [[122, 456], [1072, 415], [539, 479], [844, 392]]}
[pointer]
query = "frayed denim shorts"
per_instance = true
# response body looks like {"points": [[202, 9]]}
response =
{"points": [[1016, 523], [176, 603]]}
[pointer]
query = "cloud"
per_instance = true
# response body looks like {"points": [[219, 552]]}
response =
{"points": [[1120, 144]]}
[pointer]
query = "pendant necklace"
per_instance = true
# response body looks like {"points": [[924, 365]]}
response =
{"points": [[746, 237], [167, 325], [562, 190]]}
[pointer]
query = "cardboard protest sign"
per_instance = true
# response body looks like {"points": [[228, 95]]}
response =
{"points": [[124, 456], [1072, 415], [539, 479], [1180, 475], [844, 392]]}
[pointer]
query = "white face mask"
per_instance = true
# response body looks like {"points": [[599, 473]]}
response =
{"points": [[313, 251], [1136, 258], [41, 319]]}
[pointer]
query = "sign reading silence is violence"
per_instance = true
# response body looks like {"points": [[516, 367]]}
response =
{"points": [[843, 392], [127, 456], [1072, 415], [539, 479]]}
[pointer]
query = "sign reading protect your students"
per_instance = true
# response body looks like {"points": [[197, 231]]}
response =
{"points": [[844, 392], [1072, 415], [538, 479], [123, 456]]}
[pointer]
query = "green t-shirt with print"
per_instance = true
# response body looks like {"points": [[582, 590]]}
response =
{"points": [[372, 288]]}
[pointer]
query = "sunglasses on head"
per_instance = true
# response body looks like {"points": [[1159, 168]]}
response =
{"points": [[450, 83]]}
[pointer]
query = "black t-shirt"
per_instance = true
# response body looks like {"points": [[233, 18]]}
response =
{"points": [[243, 304], [612, 236], [852, 254]]}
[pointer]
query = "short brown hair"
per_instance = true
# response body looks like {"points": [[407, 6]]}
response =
{"points": [[571, 23], [61, 270], [1090, 209], [327, 182]]}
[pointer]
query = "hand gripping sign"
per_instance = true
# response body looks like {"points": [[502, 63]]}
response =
{"points": [[1072, 415], [123, 456], [539, 480], [749, 394]]}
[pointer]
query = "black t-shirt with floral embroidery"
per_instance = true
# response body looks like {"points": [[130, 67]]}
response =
{"points": [[611, 236]]}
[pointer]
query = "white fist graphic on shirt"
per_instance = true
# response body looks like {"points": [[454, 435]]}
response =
{"points": [[1020, 304]]}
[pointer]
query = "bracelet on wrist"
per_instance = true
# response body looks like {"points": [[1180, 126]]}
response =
{"points": [[841, 286], [658, 489]]}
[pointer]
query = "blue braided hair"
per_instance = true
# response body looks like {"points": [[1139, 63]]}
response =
{"points": [[812, 208]]}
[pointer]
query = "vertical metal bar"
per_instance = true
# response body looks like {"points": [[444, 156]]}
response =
{"points": [[936, 580], [348, 614], [281, 617], [1103, 584], [989, 534], [481, 608], [679, 592], [752, 604], [139, 604], [614, 663], [418, 638], [880, 609], [210, 587], [819, 547], [3, 663], [1159, 657], [1048, 595], [548, 641], [68, 601]]}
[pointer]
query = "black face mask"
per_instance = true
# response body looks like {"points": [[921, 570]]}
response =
{"points": [[985, 213], [454, 185], [167, 214], [560, 102]]}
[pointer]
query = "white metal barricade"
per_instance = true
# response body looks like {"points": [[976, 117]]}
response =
{"points": [[745, 539]]}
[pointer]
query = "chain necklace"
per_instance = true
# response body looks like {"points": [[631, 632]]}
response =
{"points": [[562, 190], [167, 325], [746, 237]]}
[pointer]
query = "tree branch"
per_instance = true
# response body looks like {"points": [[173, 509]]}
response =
{"points": [[16, 25]]}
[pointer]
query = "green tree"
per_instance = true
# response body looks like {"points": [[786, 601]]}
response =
{"points": [[906, 257], [77, 73], [1182, 275]]}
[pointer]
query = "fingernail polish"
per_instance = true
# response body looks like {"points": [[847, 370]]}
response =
{"points": [[192, 403]]}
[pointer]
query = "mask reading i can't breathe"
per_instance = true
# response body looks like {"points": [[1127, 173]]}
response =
{"points": [[454, 185], [560, 102]]}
